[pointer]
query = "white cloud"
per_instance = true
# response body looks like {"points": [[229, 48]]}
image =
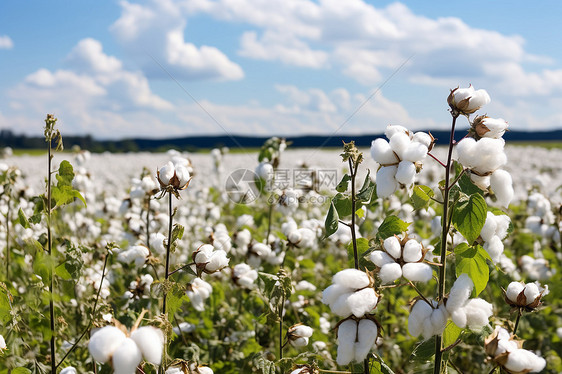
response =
{"points": [[6, 42]]}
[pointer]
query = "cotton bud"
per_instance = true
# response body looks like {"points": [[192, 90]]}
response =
{"points": [[298, 335], [244, 276], [176, 176], [209, 260], [486, 127], [527, 295], [467, 100]]}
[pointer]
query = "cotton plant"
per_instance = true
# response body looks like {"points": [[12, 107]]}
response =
{"points": [[508, 353], [493, 232]]}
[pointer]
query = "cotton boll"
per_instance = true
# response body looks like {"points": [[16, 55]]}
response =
{"points": [[489, 228], [415, 152], [380, 258], [104, 342], [490, 155], [439, 319], [385, 181], [494, 247], [406, 173], [459, 318], [417, 272], [522, 360], [332, 293], [126, 357], [502, 222], [347, 332], [477, 312], [427, 330], [367, 335], [466, 152], [351, 278], [341, 307], [502, 185], [394, 129], [382, 153], [505, 345], [420, 312], [460, 292], [482, 182], [423, 138], [531, 292], [390, 272], [150, 341], [399, 142], [412, 251], [362, 301], [392, 247], [68, 370], [513, 290]]}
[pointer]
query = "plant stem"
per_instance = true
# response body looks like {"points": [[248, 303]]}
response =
{"points": [[281, 307], [49, 250], [352, 225], [444, 232], [8, 218], [168, 247], [269, 217], [148, 222], [517, 321]]}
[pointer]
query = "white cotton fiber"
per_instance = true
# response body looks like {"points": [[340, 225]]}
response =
{"points": [[483, 182], [390, 272], [427, 331], [466, 153], [394, 129], [332, 293], [367, 333], [420, 312], [502, 185], [412, 251], [423, 138], [502, 222], [150, 341], [385, 181], [417, 272], [458, 316], [494, 247], [415, 152], [104, 342], [505, 345], [380, 258], [531, 292], [513, 290], [489, 155], [399, 142], [522, 360], [477, 312], [392, 247], [439, 318], [362, 301], [460, 292], [406, 173], [341, 307], [489, 228], [382, 153], [347, 333], [352, 278], [126, 358]]}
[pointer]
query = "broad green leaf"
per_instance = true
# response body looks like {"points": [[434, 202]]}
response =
{"points": [[63, 193], [421, 196], [342, 204], [344, 183], [43, 266], [472, 261], [360, 213], [362, 247], [392, 225], [366, 192], [23, 219], [21, 370], [466, 185], [469, 216], [451, 334], [62, 272], [331, 225], [425, 350]]}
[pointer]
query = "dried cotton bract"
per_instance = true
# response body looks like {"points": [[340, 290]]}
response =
{"points": [[350, 293]]}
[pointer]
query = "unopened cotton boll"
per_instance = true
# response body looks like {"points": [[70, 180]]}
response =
{"points": [[417, 272], [386, 182], [347, 331], [126, 357], [412, 251], [392, 247], [390, 272], [367, 333], [104, 342], [502, 185], [150, 341], [406, 173], [382, 153]]}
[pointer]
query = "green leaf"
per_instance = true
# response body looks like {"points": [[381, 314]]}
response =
{"points": [[451, 334], [33, 246], [21, 370], [392, 225], [421, 196], [362, 247], [63, 193], [23, 219], [342, 204], [425, 350], [472, 261], [43, 266], [469, 216], [467, 186], [331, 225], [344, 183], [5, 304], [366, 192]]}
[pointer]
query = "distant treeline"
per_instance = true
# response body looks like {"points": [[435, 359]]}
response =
{"points": [[197, 143]]}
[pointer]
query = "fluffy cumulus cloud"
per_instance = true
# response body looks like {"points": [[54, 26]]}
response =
{"points": [[6, 42]]}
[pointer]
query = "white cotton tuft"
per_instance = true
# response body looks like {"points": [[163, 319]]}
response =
{"points": [[513, 290], [406, 173], [351, 278], [382, 153], [458, 316], [417, 272], [460, 292], [392, 247], [494, 247], [331, 294], [415, 152], [390, 272], [439, 319], [466, 152], [531, 292], [341, 307], [481, 182], [489, 228], [399, 142], [362, 301], [412, 251], [394, 129], [386, 182], [502, 185], [367, 335], [127, 357], [104, 342], [380, 258], [502, 222], [347, 332], [150, 341], [420, 312], [423, 138], [522, 360], [478, 311]]}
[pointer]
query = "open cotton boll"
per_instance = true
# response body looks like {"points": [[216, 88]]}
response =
{"points": [[166, 173], [347, 332], [399, 142], [394, 129], [477, 313], [460, 292], [505, 345], [342, 307], [352, 278], [531, 292], [366, 337], [420, 312], [490, 155], [126, 357], [382, 153], [423, 138], [513, 290], [439, 318], [415, 152], [417, 272], [362, 301], [104, 342], [502, 185], [390, 272], [482, 182], [332, 293], [466, 152], [380, 258], [385, 181], [406, 173], [392, 247], [412, 251], [494, 247], [502, 222], [150, 341], [489, 228], [522, 360]]}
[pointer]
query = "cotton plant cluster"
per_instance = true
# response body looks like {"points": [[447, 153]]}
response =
{"points": [[509, 353], [400, 158], [493, 232], [465, 311], [528, 296]]}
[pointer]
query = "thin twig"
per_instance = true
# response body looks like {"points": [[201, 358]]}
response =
{"points": [[436, 159], [419, 293]]}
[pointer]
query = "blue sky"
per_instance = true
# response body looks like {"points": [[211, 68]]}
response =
{"points": [[166, 68]]}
